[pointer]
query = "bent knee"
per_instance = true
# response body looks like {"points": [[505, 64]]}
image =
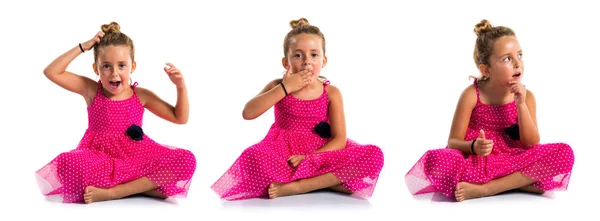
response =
{"points": [[188, 158], [377, 153], [565, 151], [443, 156]]}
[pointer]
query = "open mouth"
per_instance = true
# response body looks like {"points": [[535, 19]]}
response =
{"points": [[517, 75], [114, 84]]}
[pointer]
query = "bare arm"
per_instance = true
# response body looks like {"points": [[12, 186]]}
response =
{"points": [[268, 96], [273, 92], [338, 121], [528, 131], [460, 122], [178, 114], [56, 71]]}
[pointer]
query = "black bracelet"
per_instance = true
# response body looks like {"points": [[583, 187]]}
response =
{"points": [[472, 145], [284, 90], [82, 51]]}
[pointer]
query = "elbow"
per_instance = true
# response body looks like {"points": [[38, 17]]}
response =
{"points": [[181, 121], [531, 142], [248, 115], [47, 73], [340, 142], [451, 143]]}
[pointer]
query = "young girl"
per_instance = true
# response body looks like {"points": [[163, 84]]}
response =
{"points": [[306, 148], [115, 158], [494, 141]]}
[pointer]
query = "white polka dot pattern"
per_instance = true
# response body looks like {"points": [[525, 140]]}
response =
{"points": [[106, 156], [440, 170], [357, 166]]}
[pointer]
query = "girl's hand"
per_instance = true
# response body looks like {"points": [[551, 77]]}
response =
{"points": [[175, 75], [519, 91], [482, 146], [88, 45], [296, 81], [295, 160]]}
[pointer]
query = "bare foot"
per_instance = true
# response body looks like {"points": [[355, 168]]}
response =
{"points": [[531, 189], [341, 189], [155, 193], [277, 189], [465, 191], [95, 194]]}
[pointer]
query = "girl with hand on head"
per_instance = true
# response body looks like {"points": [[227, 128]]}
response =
{"points": [[115, 159]]}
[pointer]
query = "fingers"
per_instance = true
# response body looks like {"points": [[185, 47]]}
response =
{"points": [[484, 147], [306, 77], [98, 36], [304, 73], [295, 160], [515, 87], [295, 163], [481, 133], [171, 69]]}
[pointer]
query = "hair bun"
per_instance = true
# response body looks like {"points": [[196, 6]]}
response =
{"points": [[483, 27], [299, 22], [110, 28]]}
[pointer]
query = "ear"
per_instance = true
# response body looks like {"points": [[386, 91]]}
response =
{"points": [[95, 68], [324, 61], [484, 70], [133, 65], [285, 63]]}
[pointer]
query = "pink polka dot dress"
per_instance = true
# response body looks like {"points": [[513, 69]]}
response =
{"points": [[440, 170], [357, 166], [106, 156]]}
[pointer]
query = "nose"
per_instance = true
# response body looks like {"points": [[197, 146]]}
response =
{"points": [[306, 60], [517, 63], [114, 71]]}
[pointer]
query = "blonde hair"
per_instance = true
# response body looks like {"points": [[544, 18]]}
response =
{"points": [[301, 26], [487, 34], [113, 36]]}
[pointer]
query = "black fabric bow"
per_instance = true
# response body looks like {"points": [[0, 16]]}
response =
{"points": [[323, 129], [513, 132], [135, 132]]}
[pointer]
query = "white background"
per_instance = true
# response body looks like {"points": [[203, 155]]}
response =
{"points": [[401, 67]]}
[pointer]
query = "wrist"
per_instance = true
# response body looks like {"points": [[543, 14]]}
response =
{"points": [[473, 147], [284, 88], [81, 48]]}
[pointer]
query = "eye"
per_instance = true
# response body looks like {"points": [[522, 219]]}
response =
{"points": [[106, 66], [121, 66], [315, 55], [507, 59], [520, 55]]}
